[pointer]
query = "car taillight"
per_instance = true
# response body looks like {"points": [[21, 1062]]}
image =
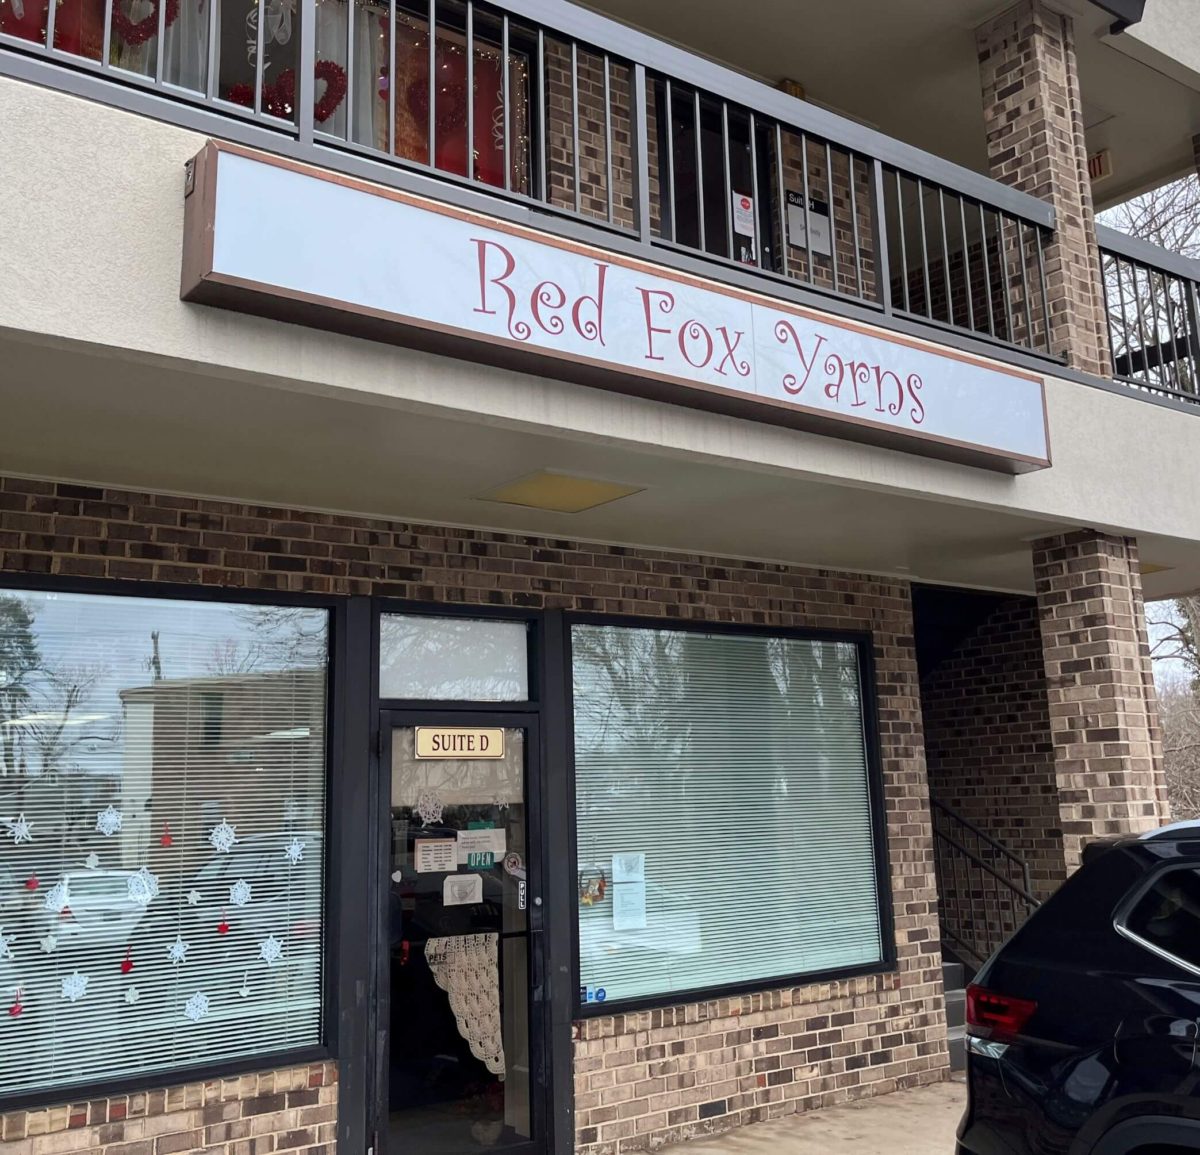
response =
{"points": [[1000, 1018]]}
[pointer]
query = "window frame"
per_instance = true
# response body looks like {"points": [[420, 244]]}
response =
{"points": [[863, 642], [338, 657], [1130, 903]]}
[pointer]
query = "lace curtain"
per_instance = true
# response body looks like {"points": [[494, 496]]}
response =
{"points": [[465, 968]]}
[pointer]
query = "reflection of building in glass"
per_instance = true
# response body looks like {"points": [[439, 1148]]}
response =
{"points": [[247, 749]]}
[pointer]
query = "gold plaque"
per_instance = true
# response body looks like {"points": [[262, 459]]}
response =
{"points": [[459, 742]]}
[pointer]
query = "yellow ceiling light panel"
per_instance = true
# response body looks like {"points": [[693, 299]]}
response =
{"points": [[559, 492]]}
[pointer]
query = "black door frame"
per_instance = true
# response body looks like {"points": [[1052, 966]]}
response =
{"points": [[391, 719]]}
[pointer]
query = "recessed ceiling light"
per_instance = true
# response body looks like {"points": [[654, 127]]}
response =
{"points": [[559, 492], [1149, 567]]}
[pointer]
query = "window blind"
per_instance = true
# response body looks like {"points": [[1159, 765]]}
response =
{"points": [[723, 809], [162, 795]]}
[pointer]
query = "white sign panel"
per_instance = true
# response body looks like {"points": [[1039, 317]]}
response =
{"points": [[435, 855], [818, 218], [298, 238]]}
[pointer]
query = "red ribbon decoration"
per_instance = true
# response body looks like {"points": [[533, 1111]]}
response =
{"points": [[279, 99]]}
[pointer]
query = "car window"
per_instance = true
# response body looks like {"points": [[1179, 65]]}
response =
{"points": [[1167, 916]]}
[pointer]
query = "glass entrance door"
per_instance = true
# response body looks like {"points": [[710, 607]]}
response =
{"points": [[458, 1072]]}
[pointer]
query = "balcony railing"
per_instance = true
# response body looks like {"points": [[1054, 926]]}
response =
{"points": [[1153, 302], [580, 124]]}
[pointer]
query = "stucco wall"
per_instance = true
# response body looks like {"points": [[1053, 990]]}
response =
{"points": [[91, 254]]}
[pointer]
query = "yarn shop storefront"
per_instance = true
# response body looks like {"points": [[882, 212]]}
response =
{"points": [[501, 842]]}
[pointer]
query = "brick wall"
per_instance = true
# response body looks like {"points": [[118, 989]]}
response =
{"points": [[641, 1078], [1035, 136], [991, 760], [1103, 708], [826, 172], [987, 739], [293, 1110]]}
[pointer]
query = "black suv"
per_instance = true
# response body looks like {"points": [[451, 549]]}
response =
{"points": [[1084, 1028]]}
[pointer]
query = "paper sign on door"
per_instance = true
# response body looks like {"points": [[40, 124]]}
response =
{"points": [[435, 855]]}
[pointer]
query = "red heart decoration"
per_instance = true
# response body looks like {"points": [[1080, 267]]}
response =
{"points": [[279, 99], [135, 34]]}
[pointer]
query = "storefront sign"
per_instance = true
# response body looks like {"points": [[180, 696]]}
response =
{"points": [[266, 235], [459, 742]]}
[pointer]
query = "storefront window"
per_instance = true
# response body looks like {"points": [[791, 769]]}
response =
{"points": [[724, 811], [453, 659], [162, 809]]}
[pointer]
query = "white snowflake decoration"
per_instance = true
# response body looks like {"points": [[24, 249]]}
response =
{"points": [[108, 821], [143, 887], [56, 898], [177, 951], [239, 893], [294, 851], [74, 987], [133, 996], [6, 941], [193, 898], [49, 943], [20, 829], [92, 861], [223, 837], [429, 808], [196, 1007], [270, 950], [244, 991]]}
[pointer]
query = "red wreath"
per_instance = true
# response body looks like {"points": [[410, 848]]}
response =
{"points": [[279, 99], [135, 34]]}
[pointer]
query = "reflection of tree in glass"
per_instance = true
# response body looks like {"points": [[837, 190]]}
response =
{"points": [[63, 718], [19, 660], [448, 659], [276, 638]]}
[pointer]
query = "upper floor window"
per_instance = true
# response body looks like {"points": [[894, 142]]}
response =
{"points": [[162, 815]]}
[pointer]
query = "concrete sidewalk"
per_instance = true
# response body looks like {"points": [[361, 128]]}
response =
{"points": [[919, 1122]]}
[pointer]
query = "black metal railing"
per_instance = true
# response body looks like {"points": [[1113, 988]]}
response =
{"points": [[575, 122], [985, 890], [1153, 302]]}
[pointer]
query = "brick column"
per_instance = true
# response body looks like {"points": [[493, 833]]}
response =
{"points": [[1034, 121], [1100, 687]]}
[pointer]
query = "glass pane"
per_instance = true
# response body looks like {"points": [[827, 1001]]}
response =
{"points": [[162, 776], [1168, 915], [237, 41], [453, 659], [459, 1076], [715, 775]]}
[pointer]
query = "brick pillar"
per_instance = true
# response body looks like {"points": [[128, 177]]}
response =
{"points": [[1034, 122], [1100, 687]]}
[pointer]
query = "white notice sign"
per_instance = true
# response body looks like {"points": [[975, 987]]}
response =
{"points": [[462, 889], [490, 841], [629, 906], [629, 868], [435, 855], [818, 218], [743, 215]]}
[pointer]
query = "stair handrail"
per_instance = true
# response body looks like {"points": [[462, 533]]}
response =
{"points": [[1026, 891]]}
